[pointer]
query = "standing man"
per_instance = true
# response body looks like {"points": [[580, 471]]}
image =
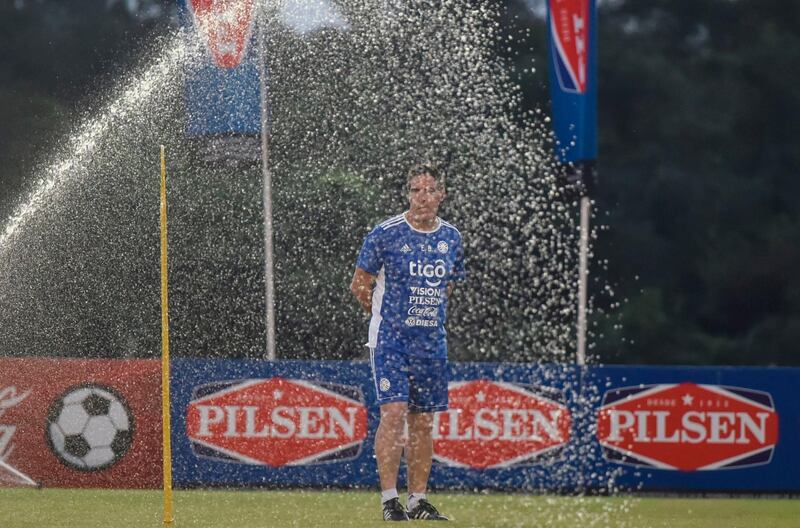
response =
{"points": [[404, 277]]}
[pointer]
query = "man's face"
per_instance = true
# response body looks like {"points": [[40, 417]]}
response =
{"points": [[424, 197]]}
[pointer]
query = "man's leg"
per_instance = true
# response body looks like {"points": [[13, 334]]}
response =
{"points": [[427, 393], [389, 442], [390, 374], [420, 450]]}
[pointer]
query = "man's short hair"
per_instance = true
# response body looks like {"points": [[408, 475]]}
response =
{"points": [[421, 169]]}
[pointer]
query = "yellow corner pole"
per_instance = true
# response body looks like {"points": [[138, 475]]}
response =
{"points": [[165, 420]]}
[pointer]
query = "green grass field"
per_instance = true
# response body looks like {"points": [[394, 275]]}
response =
{"points": [[22, 508]]}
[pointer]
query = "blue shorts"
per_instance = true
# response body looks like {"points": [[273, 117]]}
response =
{"points": [[399, 375]]}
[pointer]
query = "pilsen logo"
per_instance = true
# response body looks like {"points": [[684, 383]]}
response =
{"points": [[493, 424], [225, 26], [569, 28], [688, 427], [276, 421]]}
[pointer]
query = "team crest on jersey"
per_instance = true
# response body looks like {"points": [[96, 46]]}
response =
{"points": [[385, 384], [442, 247], [406, 249]]}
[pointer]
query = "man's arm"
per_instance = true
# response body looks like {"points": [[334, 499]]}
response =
{"points": [[361, 287]]}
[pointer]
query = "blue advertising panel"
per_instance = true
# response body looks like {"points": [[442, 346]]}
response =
{"points": [[573, 77], [509, 426], [702, 429], [272, 423], [222, 78]]}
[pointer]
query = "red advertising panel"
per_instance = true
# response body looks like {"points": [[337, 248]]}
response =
{"points": [[276, 421], [225, 26], [569, 28], [688, 427], [498, 424], [81, 423]]}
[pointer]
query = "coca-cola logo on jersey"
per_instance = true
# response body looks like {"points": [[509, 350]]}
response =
{"points": [[688, 427], [497, 424], [276, 421], [424, 311]]}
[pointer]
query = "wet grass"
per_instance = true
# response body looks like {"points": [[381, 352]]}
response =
{"points": [[67, 508]]}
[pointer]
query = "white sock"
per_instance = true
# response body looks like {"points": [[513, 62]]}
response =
{"points": [[387, 495], [413, 499]]}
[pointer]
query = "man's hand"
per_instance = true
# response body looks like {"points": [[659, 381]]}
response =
{"points": [[361, 287]]}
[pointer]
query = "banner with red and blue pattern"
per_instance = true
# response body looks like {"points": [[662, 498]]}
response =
{"points": [[572, 29], [223, 80]]}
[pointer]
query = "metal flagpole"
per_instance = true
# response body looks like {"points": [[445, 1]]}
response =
{"points": [[583, 278], [573, 91], [269, 283]]}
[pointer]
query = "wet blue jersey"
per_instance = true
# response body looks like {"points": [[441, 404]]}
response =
{"points": [[413, 269]]}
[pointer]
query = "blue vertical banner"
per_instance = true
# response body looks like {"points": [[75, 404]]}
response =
{"points": [[573, 78], [222, 77]]}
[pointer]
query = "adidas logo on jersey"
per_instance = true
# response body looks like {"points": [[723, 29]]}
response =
{"points": [[406, 249]]}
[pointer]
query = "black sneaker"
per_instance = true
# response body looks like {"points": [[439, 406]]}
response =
{"points": [[394, 511], [425, 511]]}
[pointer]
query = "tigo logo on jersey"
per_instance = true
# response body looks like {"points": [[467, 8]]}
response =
{"points": [[433, 273], [688, 427], [496, 424], [225, 25], [276, 421], [569, 28]]}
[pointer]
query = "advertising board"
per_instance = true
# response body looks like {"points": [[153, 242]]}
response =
{"points": [[701, 429], [97, 423], [292, 423], [509, 426], [82, 423]]}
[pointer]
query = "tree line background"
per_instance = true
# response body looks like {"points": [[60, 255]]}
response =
{"points": [[698, 229]]}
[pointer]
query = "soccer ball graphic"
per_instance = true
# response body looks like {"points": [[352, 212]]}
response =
{"points": [[90, 427]]}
